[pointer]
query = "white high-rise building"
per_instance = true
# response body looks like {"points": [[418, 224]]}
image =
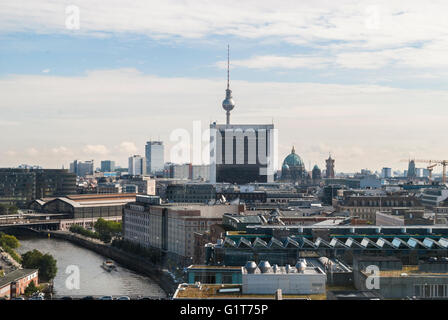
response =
{"points": [[137, 166], [155, 160]]}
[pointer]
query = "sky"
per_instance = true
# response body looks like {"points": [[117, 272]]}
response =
{"points": [[363, 80]]}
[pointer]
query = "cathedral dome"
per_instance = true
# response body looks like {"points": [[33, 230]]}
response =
{"points": [[293, 160]]}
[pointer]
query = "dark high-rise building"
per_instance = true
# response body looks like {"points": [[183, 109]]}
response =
{"points": [[330, 168], [240, 153], [412, 173], [21, 186]]}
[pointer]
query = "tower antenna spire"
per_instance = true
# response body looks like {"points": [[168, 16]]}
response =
{"points": [[228, 66], [228, 104]]}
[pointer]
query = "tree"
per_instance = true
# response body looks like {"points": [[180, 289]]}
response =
{"points": [[107, 229], [31, 259], [44, 262], [31, 288], [7, 240], [48, 267], [8, 209]]}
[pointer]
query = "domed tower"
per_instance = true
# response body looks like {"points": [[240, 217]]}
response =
{"points": [[316, 174], [293, 168], [228, 104]]}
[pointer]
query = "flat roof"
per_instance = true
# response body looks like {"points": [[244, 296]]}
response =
{"points": [[210, 291], [410, 271], [206, 267]]}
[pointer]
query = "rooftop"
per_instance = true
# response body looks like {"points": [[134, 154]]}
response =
{"points": [[408, 271], [15, 275], [211, 291]]}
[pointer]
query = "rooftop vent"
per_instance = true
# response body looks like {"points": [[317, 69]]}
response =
{"points": [[250, 266], [264, 266], [301, 265]]}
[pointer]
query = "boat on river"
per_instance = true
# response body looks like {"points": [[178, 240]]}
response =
{"points": [[109, 265]]}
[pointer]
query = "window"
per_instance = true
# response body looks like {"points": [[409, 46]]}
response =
{"points": [[227, 278]]}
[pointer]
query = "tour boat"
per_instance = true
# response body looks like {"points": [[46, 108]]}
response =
{"points": [[108, 265]]}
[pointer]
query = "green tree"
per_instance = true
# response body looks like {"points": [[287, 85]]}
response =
{"points": [[107, 229], [48, 267], [8, 209], [44, 262], [7, 240], [31, 288]]}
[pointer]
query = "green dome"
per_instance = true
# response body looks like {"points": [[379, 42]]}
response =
{"points": [[293, 160]]}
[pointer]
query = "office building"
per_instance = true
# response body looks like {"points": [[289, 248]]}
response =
{"points": [[107, 166], [411, 172], [108, 187], [191, 192], [200, 172], [137, 166], [155, 159], [241, 154], [22, 186], [139, 184], [82, 169], [365, 207], [386, 173], [171, 227], [178, 171]]}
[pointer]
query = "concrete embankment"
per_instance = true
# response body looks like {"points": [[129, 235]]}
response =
{"points": [[126, 259]]}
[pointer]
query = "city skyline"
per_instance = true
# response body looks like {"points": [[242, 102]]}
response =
{"points": [[363, 82]]}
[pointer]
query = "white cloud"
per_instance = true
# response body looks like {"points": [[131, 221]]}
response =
{"points": [[62, 151], [282, 62], [98, 149], [128, 147], [351, 34], [32, 151], [383, 23], [385, 123]]}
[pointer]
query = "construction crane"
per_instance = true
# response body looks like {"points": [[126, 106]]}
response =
{"points": [[430, 168], [432, 164]]}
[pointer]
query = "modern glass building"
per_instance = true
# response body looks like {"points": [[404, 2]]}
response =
{"points": [[21, 186], [154, 153]]}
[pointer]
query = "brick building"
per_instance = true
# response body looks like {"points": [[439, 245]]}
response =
{"points": [[13, 284]]}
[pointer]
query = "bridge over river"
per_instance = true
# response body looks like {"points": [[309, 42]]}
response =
{"points": [[39, 221]]}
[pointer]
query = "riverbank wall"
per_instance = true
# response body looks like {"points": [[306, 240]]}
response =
{"points": [[131, 261]]}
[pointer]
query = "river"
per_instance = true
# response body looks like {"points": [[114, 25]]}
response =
{"points": [[93, 279]]}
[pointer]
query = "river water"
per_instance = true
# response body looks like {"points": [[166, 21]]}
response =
{"points": [[93, 279]]}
